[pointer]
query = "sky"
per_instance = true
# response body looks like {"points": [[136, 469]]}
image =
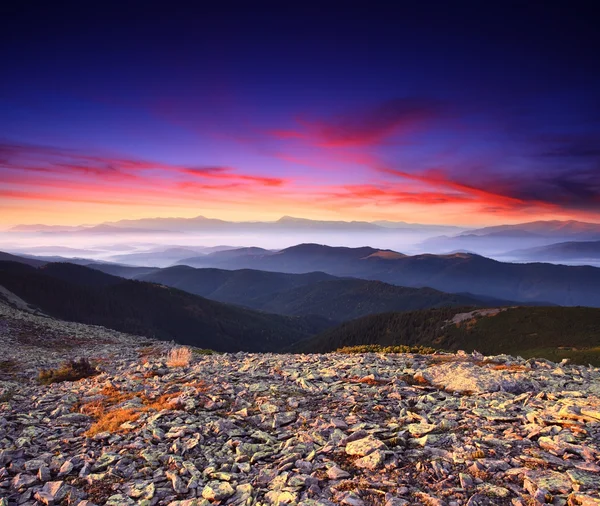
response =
{"points": [[462, 113]]}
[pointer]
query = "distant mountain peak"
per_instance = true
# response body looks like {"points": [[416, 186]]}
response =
{"points": [[291, 219], [386, 255]]}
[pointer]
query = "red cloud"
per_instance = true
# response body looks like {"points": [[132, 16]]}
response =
{"points": [[227, 173], [439, 178], [391, 194], [65, 170], [366, 127]]}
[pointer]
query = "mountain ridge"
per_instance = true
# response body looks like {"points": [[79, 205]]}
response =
{"points": [[456, 273], [85, 295]]}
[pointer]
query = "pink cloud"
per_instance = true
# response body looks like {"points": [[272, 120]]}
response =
{"points": [[366, 127]]}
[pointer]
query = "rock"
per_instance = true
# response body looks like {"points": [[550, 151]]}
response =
{"points": [[364, 446], [372, 461], [470, 378], [429, 500], [584, 480], [480, 500], [21, 481], [52, 493], [190, 502], [351, 499], [577, 499], [276, 497], [44, 473], [118, 500], [178, 486], [552, 481], [335, 473], [465, 480], [34, 464], [217, 491], [142, 490], [105, 461], [66, 468]]}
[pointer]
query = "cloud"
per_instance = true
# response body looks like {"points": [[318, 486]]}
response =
{"points": [[395, 194], [58, 161], [365, 127], [227, 173], [576, 189], [576, 147], [40, 173]]}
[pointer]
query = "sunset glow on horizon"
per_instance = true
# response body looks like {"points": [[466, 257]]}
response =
{"points": [[234, 116]]}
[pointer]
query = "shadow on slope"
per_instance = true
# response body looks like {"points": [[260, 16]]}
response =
{"points": [[84, 295]]}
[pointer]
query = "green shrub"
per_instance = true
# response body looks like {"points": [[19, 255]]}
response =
{"points": [[204, 351], [73, 370], [377, 348]]}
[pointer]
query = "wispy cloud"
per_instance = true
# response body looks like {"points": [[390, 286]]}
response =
{"points": [[229, 174], [365, 127]]}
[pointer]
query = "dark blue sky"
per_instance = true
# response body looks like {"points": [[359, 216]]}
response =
{"points": [[375, 111]]}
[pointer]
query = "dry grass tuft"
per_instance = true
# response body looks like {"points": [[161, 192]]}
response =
{"points": [[179, 357]]}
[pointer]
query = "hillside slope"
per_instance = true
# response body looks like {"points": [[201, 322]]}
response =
{"points": [[346, 299], [84, 295], [7, 257], [314, 293], [551, 332], [245, 287]]}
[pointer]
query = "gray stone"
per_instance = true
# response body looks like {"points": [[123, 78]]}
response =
{"points": [[364, 446], [217, 491]]}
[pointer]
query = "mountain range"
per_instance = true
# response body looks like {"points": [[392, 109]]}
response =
{"points": [[251, 310], [456, 273], [162, 242], [201, 223], [314, 293], [503, 238], [459, 273], [572, 251]]}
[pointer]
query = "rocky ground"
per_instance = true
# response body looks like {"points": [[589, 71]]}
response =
{"points": [[246, 429]]}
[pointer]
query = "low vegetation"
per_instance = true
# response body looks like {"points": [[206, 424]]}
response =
{"points": [[547, 332], [110, 417], [377, 348], [179, 357], [204, 351], [73, 370]]}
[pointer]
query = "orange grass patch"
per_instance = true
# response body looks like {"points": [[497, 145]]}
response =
{"points": [[111, 420]]}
